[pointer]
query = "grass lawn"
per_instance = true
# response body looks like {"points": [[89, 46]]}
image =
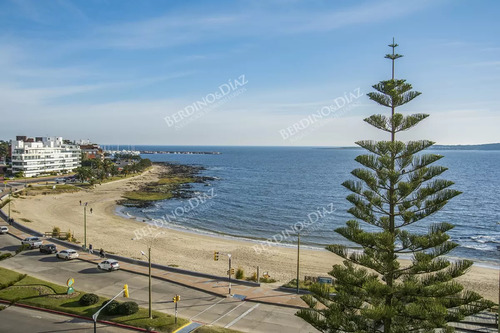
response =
{"points": [[175, 180], [49, 295], [6, 276]]}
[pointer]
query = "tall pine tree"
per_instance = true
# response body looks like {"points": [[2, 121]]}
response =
{"points": [[397, 187]]}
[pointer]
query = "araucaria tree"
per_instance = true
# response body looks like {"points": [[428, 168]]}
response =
{"points": [[396, 187]]}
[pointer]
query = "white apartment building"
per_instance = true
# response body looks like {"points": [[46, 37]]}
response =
{"points": [[41, 155]]}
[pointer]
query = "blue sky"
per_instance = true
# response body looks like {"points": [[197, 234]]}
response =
{"points": [[128, 72]]}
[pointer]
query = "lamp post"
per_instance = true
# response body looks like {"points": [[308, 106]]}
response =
{"points": [[85, 225], [150, 299], [298, 260], [10, 199], [229, 273]]}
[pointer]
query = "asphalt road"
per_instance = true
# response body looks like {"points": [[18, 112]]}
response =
{"points": [[20, 320], [195, 305]]}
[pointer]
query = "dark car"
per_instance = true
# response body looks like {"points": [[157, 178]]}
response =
{"points": [[48, 248]]}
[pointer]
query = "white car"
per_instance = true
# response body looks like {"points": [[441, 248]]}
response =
{"points": [[33, 242], [109, 265], [4, 229], [67, 254]]}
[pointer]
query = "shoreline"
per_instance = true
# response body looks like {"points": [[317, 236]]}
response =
{"points": [[259, 241], [262, 242], [184, 248]]}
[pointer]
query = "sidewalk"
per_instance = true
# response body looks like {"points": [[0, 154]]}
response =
{"points": [[262, 294]]}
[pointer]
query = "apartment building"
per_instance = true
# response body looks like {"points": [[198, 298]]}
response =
{"points": [[44, 155]]}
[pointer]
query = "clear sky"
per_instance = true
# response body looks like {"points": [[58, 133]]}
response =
{"points": [[269, 72]]}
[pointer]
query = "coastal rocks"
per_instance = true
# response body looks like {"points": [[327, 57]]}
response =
{"points": [[175, 183]]}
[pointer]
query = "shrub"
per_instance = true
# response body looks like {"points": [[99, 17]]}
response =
{"points": [[253, 277], [56, 231], [240, 273], [112, 308], [22, 248], [5, 255], [70, 237], [88, 299], [267, 280], [128, 308]]}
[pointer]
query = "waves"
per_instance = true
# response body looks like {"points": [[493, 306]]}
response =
{"points": [[261, 191]]}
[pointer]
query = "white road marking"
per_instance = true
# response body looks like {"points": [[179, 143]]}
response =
{"points": [[216, 320], [241, 316], [211, 306]]}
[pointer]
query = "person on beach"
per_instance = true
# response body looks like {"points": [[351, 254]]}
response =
{"points": [[90, 210], [91, 249], [80, 202], [102, 254]]}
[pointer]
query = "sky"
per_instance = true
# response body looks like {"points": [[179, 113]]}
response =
{"points": [[258, 73]]}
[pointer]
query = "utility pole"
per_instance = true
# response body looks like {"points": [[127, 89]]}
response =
{"points": [[85, 225], [10, 199], [150, 297], [298, 260], [150, 289], [229, 273], [95, 315]]}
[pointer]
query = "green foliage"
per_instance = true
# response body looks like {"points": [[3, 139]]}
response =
{"points": [[56, 231], [10, 278], [146, 196], [395, 188], [253, 277], [5, 256], [112, 308], [26, 290], [240, 273], [70, 236], [128, 308], [88, 299], [4, 149], [22, 248], [267, 280]]}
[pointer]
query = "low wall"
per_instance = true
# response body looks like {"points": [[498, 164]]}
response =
{"points": [[129, 260], [158, 266]]}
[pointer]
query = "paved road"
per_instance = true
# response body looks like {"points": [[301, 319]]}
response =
{"points": [[195, 305], [20, 320]]}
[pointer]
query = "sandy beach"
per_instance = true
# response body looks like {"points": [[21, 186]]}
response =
{"points": [[116, 234]]}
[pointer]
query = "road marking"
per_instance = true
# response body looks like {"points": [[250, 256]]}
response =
{"points": [[211, 306], [216, 320], [241, 316]]}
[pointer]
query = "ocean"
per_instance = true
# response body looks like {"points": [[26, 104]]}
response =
{"points": [[266, 193]]}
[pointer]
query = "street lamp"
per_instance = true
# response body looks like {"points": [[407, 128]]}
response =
{"points": [[229, 273], [85, 225], [10, 199], [150, 299], [298, 260]]}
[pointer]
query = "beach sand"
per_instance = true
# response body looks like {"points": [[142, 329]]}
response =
{"points": [[118, 235]]}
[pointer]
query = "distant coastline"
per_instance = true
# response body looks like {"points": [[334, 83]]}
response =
{"points": [[486, 146]]}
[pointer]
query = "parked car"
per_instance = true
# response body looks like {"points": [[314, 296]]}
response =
{"points": [[33, 242], [60, 180], [48, 248], [109, 265], [67, 254], [4, 229]]}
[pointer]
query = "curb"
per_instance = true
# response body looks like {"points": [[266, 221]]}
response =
{"points": [[183, 326], [191, 286], [76, 316]]}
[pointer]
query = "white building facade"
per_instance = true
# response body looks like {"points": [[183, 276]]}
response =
{"points": [[44, 155]]}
